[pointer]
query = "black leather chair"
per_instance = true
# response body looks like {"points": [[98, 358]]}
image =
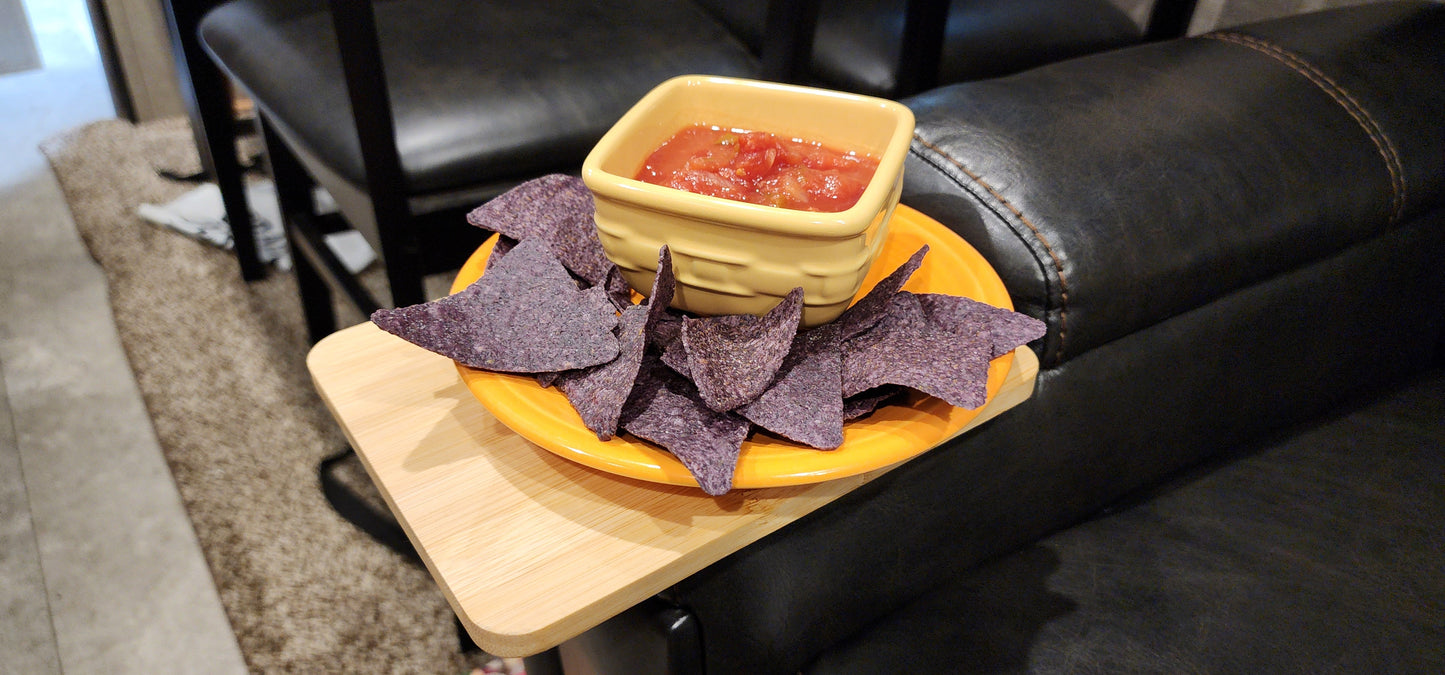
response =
{"points": [[410, 112], [895, 48], [861, 46]]}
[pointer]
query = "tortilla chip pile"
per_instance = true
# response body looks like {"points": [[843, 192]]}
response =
{"points": [[551, 304]]}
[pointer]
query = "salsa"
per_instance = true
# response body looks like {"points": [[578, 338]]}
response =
{"points": [[759, 168]]}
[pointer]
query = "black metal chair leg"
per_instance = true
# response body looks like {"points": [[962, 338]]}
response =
{"points": [[371, 110], [315, 293], [1170, 19], [546, 663], [464, 639], [209, 105], [408, 286], [298, 212], [230, 179]]}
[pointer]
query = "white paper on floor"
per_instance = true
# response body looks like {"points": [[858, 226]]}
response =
{"points": [[200, 213]]}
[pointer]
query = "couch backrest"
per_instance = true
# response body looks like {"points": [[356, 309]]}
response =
{"points": [[1117, 190]]}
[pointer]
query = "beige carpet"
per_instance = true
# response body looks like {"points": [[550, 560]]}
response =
{"points": [[221, 367]]}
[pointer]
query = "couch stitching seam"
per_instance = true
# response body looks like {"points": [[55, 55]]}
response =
{"points": [[1057, 263], [1352, 106]]}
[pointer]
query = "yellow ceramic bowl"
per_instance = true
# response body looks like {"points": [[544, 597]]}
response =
{"points": [[733, 257]]}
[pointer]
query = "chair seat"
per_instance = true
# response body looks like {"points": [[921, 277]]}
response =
{"points": [[472, 103], [857, 45]]}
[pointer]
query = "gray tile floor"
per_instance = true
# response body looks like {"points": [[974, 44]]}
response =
{"points": [[100, 570]]}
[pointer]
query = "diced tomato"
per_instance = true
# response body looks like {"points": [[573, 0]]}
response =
{"points": [[754, 163], [707, 183], [759, 168]]}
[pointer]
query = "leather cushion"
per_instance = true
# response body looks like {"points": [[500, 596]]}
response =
{"points": [[1116, 190], [1320, 552], [481, 91], [857, 44]]}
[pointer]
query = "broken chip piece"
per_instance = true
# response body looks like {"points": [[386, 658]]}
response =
{"points": [[903, 348], [732, 359], [872, 306], [805, 402], [524, 316], [598, 393], [665, 408], [556, 209]]}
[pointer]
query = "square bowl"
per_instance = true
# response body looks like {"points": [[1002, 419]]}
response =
{"points": [[733, 257]]}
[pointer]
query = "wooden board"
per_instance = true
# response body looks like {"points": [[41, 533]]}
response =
{"points": [[529, 548]]}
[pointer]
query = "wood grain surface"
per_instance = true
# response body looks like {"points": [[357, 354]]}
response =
{"points": [[529, 548]]}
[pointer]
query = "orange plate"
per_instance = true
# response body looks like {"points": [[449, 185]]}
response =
{"points": [[890, 435]]}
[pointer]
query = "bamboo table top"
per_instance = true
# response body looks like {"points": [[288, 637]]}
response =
{"points": [[531, 549]]}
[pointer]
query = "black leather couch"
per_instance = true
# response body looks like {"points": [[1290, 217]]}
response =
{"points": [[1234, 460]]}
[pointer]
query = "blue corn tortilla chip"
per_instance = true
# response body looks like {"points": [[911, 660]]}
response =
{"points": [[666, 330], [902, 348], [664, 324], [499, 249], [933, 363], [805, 402], [732, 359], [874, 304], [664, 408], [674, 354], [556, 209], [1003, 329], [618, 290], [662, 321], [524, 316], [664, 286], [598, 393], [860, 405], [902, 315]]}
